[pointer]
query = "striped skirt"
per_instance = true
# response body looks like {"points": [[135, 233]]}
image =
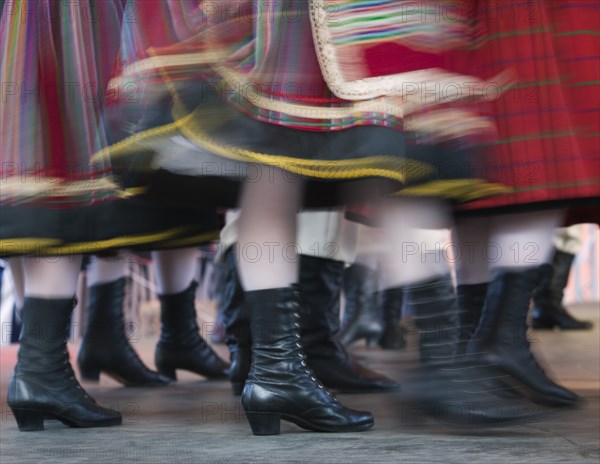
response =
{"points": [[56, 60], [548, 146]]}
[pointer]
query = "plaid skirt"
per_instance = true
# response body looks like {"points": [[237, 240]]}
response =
{"points": [[548, 145], [226, 94], [55, 64]]}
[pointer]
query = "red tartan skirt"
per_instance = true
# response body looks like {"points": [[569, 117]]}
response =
{"points": [[548, 146]]}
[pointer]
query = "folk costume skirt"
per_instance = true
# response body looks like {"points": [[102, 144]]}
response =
{"points": [[548, 145], [230, 95], [57, 59]]}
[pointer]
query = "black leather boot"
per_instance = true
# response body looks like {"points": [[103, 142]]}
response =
{"points": [[280, 385], [501, 337], [470, 299], [361, 320], [236, 321], [450, 388], [390, 304], [327, 357], [548, 311], [180, 345], [320, 284], [43, 385], [105, 346]]}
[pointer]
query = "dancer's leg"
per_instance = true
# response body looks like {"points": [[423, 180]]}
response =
{"points": [[43, 384], [181, 346], [105, 346], [280, 384]]}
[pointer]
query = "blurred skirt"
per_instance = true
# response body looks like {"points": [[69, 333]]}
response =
{"points": [[56, 60], [548, 147], [227, 95]]}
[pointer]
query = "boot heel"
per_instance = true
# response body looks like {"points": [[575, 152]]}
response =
{"points": [[237, 388], [91, 374], [29, 420], [264, 423], [169, 372]]}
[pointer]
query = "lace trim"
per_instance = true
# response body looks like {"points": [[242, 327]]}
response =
{"points": [[417, 88], [239, 80]]}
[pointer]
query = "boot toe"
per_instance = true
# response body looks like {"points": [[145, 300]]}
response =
{"points": [[200, 360], [560, 396], [217, 370], [361, 420], [340, 371], [333, 418], [556, 317], [357, 380], [464, 395], [573, 324], [155, 379], [82, 414], [350, 420], [525, 375], [100, 417]]}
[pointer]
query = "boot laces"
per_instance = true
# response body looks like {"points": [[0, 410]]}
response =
{"points": [[303, 363], [70, 373]]}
